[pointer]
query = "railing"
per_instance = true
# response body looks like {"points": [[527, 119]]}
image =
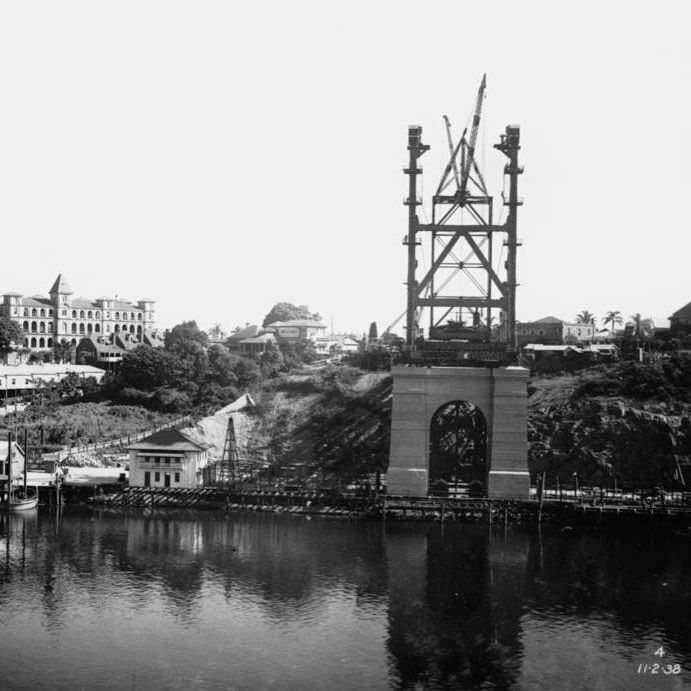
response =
{"points": [[120, 441]]}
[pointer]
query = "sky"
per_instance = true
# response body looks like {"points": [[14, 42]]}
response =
{"points": [[219, 157]]}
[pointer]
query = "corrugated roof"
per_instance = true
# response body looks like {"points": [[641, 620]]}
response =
{"points": [[36, 301], [549, 320], [247, 332], [171, 439], [84, 302], [683, 313], [298, 322]]}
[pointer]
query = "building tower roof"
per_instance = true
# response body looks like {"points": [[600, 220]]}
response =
{"points": [[60, 286]]}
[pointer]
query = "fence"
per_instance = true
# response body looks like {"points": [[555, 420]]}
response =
{"points": [[120, 441]]}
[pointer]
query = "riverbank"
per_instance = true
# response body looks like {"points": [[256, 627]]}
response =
{"points": [[489, 511]]}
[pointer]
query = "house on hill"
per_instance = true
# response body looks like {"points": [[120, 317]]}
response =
{"points": [[553, 331], [168, 458], [295, 330], [680, 321]]}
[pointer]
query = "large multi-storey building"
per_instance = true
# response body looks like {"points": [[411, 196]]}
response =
{"points": [[47, 321]]}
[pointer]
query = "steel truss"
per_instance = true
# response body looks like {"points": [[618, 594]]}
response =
{"points": [[461, 281]]}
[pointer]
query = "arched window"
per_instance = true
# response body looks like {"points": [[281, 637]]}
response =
{"points": [[26, 342], [139, 329], [50, 313], [63, 328], [124, 316], [49, 344], [34, 313], [132, 316], [33, 327], [81, 314], [74, 341], [41, 342], [33, 342], [74, 314], [139, 316], [89, 315], [43, 312], [81, 328], [131, 328], [89, 328], [98, 315], [50, 327], [42, 327], [26, 312], [97, 328], [74, 328], [117, 328], [117, 315], [25, 326]]}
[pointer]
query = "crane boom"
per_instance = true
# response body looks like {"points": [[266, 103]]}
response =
{"points": [[470, 152]]}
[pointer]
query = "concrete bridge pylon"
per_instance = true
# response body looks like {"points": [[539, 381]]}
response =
{"points": [[500, 393]]}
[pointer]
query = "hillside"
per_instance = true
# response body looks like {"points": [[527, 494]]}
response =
{"points": [[335, 419], [626, 421]]}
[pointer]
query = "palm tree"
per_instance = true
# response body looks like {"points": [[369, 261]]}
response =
{"points": [[585, 317], [216, 331], [614, 318]]}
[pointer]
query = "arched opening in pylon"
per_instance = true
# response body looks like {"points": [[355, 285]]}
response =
{"points": [[458, 450]]}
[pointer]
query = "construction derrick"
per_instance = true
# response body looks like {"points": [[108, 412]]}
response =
{"points": [[230, 461], [461, 284]]}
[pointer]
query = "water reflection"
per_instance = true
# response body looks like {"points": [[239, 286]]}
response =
{"points": [[263, 600]]}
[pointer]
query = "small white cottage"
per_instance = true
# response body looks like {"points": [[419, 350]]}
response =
{"points": [[168, 458]]}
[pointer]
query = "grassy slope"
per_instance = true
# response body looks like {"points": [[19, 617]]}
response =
{"points": [[88, 421]]}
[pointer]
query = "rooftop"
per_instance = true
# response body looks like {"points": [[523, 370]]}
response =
{"points": [[683, 313], [61, 286], [171, 439]]}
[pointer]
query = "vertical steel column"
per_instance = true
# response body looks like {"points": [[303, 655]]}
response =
{"points": [[510, 145], [416, 149]]}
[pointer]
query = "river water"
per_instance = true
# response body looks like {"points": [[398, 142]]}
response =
{"points": [[186, 600]]}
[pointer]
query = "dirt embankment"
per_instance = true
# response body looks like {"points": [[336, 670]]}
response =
{"points": [[334, 419]]}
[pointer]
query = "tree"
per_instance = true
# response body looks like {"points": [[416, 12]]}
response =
{"points": [[11, 335], [216, 331], [285, 311], [373, 335], [149, 368], [184, 333], [64, 351], [585, 317], [613, 318], [222, 366]]}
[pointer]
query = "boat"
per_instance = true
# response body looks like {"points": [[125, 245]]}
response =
{"points": [[25, 504], [21, 500]]}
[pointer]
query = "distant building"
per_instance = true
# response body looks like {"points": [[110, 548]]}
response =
{"points": [[45, 321], [21, 378], [680, 321], [106, 352], [233, 341], [256, 345], [553, 331], [168, 458], [295, 330]]}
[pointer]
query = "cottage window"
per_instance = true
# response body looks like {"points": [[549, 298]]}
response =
{"points": [[177, 477]]}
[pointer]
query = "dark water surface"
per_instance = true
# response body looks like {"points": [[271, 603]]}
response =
{"points": [[196, 600]]}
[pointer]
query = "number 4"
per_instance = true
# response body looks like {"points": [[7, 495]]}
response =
{"points": [[660, 652]]}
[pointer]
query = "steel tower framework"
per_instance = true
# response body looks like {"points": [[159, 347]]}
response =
{"points": [[460, 275]]}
